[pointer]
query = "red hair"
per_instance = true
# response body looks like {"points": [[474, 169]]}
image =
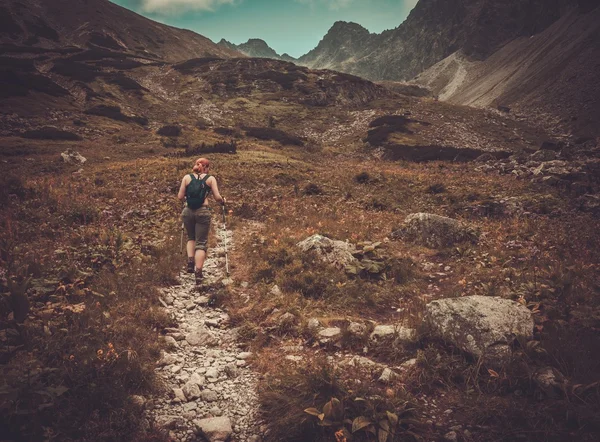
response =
{"points": [[204, 162]]}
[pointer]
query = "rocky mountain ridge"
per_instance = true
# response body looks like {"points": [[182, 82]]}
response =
{"points": [[433, 30], [255, 47], [100, 25]]}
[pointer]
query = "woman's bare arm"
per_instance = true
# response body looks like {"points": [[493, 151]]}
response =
{"points": [[212, 182], [181, 193]]}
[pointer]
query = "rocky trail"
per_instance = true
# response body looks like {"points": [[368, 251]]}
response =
{"points": [[209, 387]]}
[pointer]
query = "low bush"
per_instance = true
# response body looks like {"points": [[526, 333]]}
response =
{"points": [[269, 133], [50, 133], [319, 402], [170, 130], [115, 113]]}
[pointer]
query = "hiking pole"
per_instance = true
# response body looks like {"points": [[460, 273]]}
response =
{"points": [[181, 250], [225, 240]]}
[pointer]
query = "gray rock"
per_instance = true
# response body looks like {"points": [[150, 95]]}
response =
{"points": [[215, 411], [382, 331], [202, 300], [215, 429], [313, 324], [191, 391], [338, 253], [275, 290], [169, 422], [244, 355], [330, 332], [361, 361], [409, 364], [201, 337], [70, 156], [480, 325], [179, 395], [451, 436], [387, 376], [212, 373], [543, 155], [550, 381], [170, 342], [166, 359], [209, 396], [357, 329], [434, 231], [287, 320], [198, 379]]}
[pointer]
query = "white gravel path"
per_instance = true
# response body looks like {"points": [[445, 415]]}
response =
{"points": [[206, 374]]}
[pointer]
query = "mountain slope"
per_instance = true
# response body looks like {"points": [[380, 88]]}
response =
{"points": [[434, 30], [555, 73], [99, 24], [255, 47]]}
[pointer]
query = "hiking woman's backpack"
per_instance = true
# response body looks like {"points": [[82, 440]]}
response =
{"points": [[196, 191]]}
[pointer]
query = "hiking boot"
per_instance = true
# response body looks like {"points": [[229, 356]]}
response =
{"points": [[199, 277], [190, 266]]}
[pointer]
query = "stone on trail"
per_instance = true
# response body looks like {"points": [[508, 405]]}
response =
{"points": [[201, 337], [434, 231], [479, 325], [191, 391], [338, 253], [215, 429]]}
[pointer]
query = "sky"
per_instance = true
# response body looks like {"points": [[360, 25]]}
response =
{"points": [[288, 26]]}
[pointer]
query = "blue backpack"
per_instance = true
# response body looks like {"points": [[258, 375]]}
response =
{"points": [[196, 191]]}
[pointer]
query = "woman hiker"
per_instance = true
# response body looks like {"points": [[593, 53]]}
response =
{"points": [[195, 188]]}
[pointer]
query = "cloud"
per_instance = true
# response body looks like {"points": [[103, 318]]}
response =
{"points": [[180, 6], [331, 4]]}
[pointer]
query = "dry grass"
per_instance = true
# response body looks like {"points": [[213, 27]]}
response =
{"points": [[107, 238]]}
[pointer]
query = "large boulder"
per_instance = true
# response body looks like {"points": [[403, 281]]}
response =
{"points": [[338, 253], [482, 326], [434, 231], [215, 429]]}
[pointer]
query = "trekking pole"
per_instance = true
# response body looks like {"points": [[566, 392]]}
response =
{"points": [[181, 249], [225, 241]]}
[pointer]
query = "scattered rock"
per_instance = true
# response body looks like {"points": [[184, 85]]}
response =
{"points": [[331, 332], [215, 429], [313, 324], [179, 395], [434, 231], [209, 396], [191, 391], [550, 381], [387, 376], [543, 155], [70, 156], [275, 290], [357, 329], [479, 325], [201, 337], [338, 253], [451, 436]]}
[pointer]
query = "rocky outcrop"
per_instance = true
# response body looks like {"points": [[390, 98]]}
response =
{"points": [[434, 231], [338, 253], [70, 156], [481, 326]]}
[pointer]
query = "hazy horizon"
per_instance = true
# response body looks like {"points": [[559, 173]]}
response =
{"points": [[288, 26]]}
